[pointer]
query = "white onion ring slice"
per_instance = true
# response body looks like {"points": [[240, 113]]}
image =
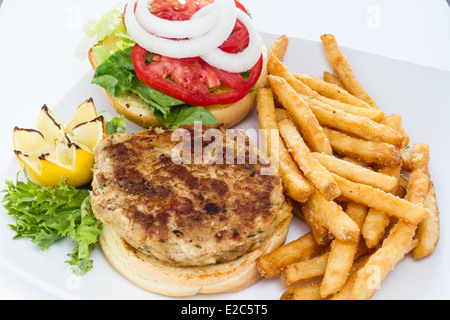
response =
{"points": [[202, 22], [192, 47], [244, 60]]}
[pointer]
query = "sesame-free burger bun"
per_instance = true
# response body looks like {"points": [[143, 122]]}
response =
{"points": [[155, 276]]}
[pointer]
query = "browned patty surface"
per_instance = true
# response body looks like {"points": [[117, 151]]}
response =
{"points": [[184, 214]]}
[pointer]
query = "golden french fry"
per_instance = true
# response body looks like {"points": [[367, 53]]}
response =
{"points": [[278, 47], [420, 157], [346, 290], [381, 200], [377, 221], [330, 90], [314, 171], [302, 115], [307, 292], [331, 216], [342, 69], [374, 227], [342, 255], [332, 78], [332, 105], [319, 232], [395, 122], [295, 184], [271, 264], [356, 172], [340, 260], [304, 271], [358, 126], [367, 151], [428, 230]]}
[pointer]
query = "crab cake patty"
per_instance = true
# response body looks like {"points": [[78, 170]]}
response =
{"points": [[186, 214]]}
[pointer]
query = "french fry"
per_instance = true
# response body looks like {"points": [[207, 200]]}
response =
{"points": [[356, 172], [332, 217], [307, 292], [381, 200], [372, 114], [330, 90], [333, 79], [302, 115], [319, 232], [342, 255], [314, 171], [271, 264], [357, 126], [420, 158], [279, 47], [294, 182], [304, 271], [377, 221], [395, 122], [345, 292], [368, 151], [428, 230], [342, 69]]}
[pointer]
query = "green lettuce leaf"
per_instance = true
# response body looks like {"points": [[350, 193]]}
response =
{"points": [[185, 114], [46, 214]]}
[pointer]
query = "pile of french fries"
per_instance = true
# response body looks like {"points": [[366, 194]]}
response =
{"points": [[346, 169]]}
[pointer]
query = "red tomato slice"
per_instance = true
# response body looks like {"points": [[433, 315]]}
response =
{"points": [[174, 10], [192, 79]]}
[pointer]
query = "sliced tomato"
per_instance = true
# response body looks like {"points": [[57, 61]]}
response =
{"points": [[238, 40], [175, 10], [191, 79]]}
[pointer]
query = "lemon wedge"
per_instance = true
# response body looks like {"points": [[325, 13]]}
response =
{"points": [[55, 152]]}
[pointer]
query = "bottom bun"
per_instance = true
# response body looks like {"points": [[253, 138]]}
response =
{"points": [[152, 275], [136, 110]]}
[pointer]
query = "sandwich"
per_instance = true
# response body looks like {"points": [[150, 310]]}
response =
{"points": [[165, 63], [176, 226]]}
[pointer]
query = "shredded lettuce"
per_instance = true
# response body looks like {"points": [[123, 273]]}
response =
{"points": [[97, 30], [110, 23], [45, 214]]}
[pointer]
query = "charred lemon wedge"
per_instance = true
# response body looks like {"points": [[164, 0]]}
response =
{"points": [[55, 152]]}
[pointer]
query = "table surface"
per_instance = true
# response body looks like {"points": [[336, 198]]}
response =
{"points": [[46, 34]]}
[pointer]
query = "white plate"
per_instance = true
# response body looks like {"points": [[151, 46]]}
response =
{"points": [[416, 92]]}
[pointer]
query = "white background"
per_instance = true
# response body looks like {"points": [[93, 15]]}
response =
{"points": [[38, 39]]}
